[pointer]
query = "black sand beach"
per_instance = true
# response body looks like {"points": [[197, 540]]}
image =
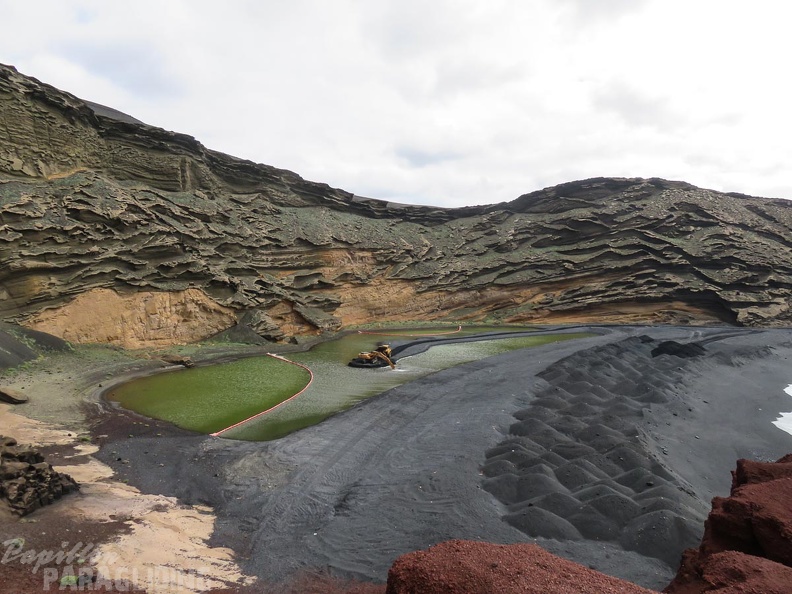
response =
{"points": [[594, 448]]}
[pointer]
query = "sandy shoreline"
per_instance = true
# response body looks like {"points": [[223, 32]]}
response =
{"points": [[405, 470], [156, 542]]}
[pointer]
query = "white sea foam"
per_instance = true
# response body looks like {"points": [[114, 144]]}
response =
{"points": [[784, 422]]}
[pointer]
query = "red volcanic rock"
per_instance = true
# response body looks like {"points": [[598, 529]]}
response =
{"points": [[463, 567], [756, 519], [731, 572], [747, 543], [750, 472]]}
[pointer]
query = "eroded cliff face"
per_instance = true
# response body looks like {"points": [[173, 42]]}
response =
{"points": [[92, 202], [135, 319]]}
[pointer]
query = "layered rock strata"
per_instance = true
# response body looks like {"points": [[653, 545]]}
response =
{"points": [[27, 481], [97, 204]]}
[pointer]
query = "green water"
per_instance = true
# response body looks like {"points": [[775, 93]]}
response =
{"points": [[338, 387], [208, 399]]}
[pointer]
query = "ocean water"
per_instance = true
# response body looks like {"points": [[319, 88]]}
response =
{"points": [[784, 422]]}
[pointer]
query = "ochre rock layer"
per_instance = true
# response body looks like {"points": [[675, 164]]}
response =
{"points": [[93, 200], [135, 319]]}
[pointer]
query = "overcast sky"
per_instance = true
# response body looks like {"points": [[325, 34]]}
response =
{"points": [[445, 102]]}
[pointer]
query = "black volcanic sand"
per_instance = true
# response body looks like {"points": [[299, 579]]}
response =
{"points": [[605, 450]]}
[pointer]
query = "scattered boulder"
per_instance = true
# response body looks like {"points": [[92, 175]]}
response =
{"points": [[12, 396], [27, 482], [460, 566]]}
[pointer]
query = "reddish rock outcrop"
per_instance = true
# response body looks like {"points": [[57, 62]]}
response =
{"points": [[747, 543], [731, 572], [462, 567], [750, 472]]}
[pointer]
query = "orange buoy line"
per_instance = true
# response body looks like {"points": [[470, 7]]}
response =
{"points": [[459, 329], [269, 410]]}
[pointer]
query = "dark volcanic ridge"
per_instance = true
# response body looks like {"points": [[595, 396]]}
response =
{"points": [[101, 211]]}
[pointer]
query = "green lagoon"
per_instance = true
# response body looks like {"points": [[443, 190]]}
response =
{"points": [[209, 399]]}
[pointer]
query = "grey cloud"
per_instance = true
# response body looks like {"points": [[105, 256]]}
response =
{"points": [[726, 119], [592, 11], [131, 66], [444, 102], [409, 28], [638, 108], [419, 158], [458, 76]]}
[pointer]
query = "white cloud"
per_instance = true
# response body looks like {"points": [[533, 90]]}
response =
{"points": [[438, 102]]}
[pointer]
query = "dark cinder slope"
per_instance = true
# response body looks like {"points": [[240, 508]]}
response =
{"points": [[91, 201]]}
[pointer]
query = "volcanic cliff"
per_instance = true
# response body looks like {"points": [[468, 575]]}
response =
{"points": [[115, 231]]}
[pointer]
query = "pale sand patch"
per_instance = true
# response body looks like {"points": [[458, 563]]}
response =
{"points": [[29, 431], [166, 550], [92, 471]]}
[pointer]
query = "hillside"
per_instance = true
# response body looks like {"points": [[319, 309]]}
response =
{"points": [[115, 231]]}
